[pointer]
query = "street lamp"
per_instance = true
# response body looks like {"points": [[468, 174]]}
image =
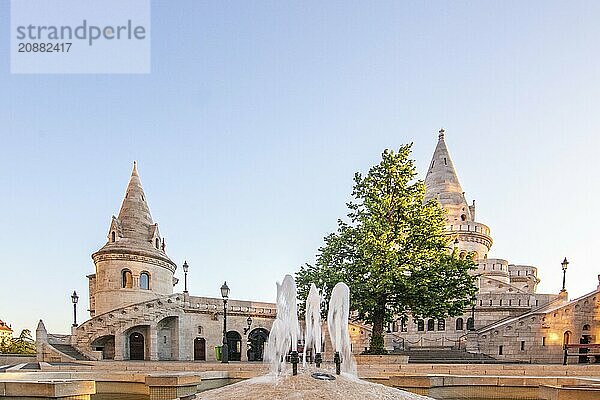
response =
{"points": [[225, 349], [74, 299], [564, 264], [186, 267], [249, 322], [474, 301]]}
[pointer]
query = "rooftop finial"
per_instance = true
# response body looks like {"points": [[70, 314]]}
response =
{"points": [[134, 168], [442, 131]]}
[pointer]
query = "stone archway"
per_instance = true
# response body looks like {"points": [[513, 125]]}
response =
{"points": [[167, 332], [234, 345], [105, 344], [256, 343], [136, 346]]}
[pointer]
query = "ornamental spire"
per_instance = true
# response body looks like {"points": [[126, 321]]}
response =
{"points": [[135, 215], [441, 182]]}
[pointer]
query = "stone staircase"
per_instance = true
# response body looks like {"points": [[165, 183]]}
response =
{"points": [[124, 317], [70, 351], [445, 356]]}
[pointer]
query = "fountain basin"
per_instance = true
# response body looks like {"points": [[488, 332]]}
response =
{"points": [[305, 387]]}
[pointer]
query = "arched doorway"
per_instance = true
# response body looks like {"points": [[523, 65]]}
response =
{"points": [[199, 349], [234, 345], [256, 343], [136, 346]]}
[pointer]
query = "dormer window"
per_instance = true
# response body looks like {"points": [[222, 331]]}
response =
{"points": [[113, 236]]}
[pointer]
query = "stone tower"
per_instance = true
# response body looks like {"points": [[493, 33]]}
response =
{"points": [[441, 183], [132, 266]]}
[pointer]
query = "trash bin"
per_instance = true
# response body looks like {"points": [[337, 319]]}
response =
{"points": [[218, 352]]}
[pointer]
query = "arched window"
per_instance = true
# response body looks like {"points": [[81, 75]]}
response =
{"points": [[441, 325], [470, 324], [420, 325], [126, 279], [459, 324], [586, 327], [145, 281], [113, 236], [430, 324], [157, 243]]}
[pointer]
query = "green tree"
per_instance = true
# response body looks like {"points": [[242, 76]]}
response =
{"points": [[392, 252], [24, 344]]}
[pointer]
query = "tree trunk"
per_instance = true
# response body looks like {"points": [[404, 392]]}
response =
{"points": [[376, 344]]}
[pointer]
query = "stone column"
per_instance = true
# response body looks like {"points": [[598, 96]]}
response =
{"points": [[244, 345], [472, 344], [153, 339], [119, 346]]}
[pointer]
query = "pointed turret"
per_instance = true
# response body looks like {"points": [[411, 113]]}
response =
{"points": [[132, 266], [134, 216], [442, 183]]}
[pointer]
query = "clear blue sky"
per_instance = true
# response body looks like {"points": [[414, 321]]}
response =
{"points": [[256, 116]]}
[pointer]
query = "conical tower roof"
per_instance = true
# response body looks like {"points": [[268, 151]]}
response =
{"points": [[134, 215], [134, 231], [441, 182]]}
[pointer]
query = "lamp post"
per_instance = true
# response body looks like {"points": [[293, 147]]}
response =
{"points": [[225, 349], [249, 322], [474, 301], [74, 299], [186, 267], [564, 264]]}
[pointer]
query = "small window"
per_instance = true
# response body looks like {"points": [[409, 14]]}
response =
{"points": [[126, 279], [459, 324], [430, 325], [441, 325], [522, 345], [420, 325], [586, 327], [200, 330], [165, 340], [500, 301], [500, 349], [445, 161], [157, 243], [145, 281], [113, 236], [463, 217], [543, 340], [510, 302]]}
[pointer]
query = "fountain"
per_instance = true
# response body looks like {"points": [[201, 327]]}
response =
{"points": [[337, 323], [315, 382], [312, 326]]}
